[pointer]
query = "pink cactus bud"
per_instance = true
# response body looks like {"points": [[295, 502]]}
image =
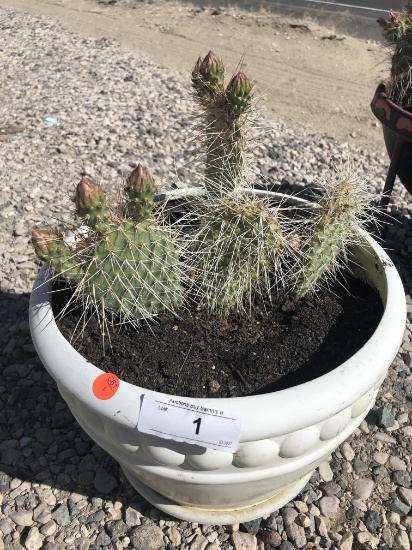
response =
{"points": [[211, 64], [44, 242], [393, 18], [383, 23], [89, 195], [208, 76], [388, 24], [239, 93], [139, 177]]}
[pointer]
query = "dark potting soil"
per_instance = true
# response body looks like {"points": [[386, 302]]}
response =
{"points": [[274, 347]]}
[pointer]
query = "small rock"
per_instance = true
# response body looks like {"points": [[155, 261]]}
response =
{"points": [[362, 488], [34, 540], [359, 466], [147, 537], [325, 471], [252, 527], [367, 538], [271, 538], [372, 521], [403, 540], [45, 436], [380, 458], [387, 536], [199, 543], [61, 515], [96, 517], [353, 512], [295, 532], [300, 506], [395, 463], [347, 451], [321, 527], [42, 513], [346, 542], [328, 505], [395, 505], [103, 539], [405, 495], [132, 517], [74, 510], [401, 478], [174, 536], [48, 528], [24, 518], [330, 489], [394, 518], [116, 528], [243, 541], [104, 482], [385, 418]]}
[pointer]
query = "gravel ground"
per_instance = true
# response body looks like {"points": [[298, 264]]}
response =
{"points": [[71, 107]]}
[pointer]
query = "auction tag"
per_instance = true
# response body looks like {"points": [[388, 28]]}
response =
{"points": [[105, 386], [172, 418]]}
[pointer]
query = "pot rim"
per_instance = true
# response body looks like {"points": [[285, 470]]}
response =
{"points": [[264, 415], [389, 113]]}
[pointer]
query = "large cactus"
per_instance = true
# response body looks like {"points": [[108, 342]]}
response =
{"points": [[240, 249], [228, 244], [125, 265], [397, 31], [342, 210], [225, 128]]}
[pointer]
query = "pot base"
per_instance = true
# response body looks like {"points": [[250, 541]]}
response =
{"points": [[213, 516]]}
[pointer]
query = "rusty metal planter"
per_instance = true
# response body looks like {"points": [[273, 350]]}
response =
{"points": [[397, 132]]}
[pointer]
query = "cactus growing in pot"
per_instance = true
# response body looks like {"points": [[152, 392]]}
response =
{"points": [[123, 263], [130, 264], [217, 247], [392, 102], [397, 31]]}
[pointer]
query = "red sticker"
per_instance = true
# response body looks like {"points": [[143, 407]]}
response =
{"points": [[105, 385]]}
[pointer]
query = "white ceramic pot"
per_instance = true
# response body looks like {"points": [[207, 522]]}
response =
{"points": [[285, 435]]}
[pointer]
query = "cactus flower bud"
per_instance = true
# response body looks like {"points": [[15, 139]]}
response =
{"points": [[239, 93], [89, 195], [140, 178], [208, 76], [44, 243], [141, 190], [91, 202], [388, 24]]}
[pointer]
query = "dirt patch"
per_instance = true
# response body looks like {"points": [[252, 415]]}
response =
{"points": [[202, 355], [310, 75]]}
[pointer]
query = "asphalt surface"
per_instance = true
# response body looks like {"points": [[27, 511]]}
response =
{"points": [[365, 8], [355, 18]]}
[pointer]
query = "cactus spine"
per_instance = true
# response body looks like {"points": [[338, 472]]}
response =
{"points": [[335, 224], [127, 266], [132, 262], [398, 33], [238, 251], [225, 112]]}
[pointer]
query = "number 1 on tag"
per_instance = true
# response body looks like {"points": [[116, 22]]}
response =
{"points": [[173, 418]]}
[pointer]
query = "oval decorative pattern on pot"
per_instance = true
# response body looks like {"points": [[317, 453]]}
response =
{"points": [[210, 460], [335, 425], [299, 442], [92, 419], [362, 404], [124, 438], [163, 455], [256, 453]]}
